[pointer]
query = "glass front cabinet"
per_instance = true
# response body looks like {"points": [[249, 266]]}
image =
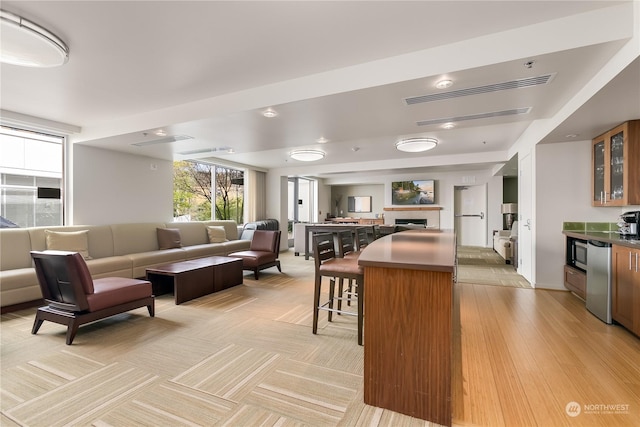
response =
{"points": [[615, 166]]}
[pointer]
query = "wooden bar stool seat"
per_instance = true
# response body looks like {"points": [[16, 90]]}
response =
{"points": [[327, 265]]}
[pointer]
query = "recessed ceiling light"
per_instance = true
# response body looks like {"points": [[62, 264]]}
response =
{"points": [[322, 140], [269, 113], [160, 132], [307, 155], [571, 135], [449, 125], [416, 145], [28, 44], [443, 84]]}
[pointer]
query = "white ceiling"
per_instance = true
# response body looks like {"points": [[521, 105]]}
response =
{"points": [[339, 70]]}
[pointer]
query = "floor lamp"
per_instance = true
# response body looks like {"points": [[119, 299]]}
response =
{"points": [[509, 210]]}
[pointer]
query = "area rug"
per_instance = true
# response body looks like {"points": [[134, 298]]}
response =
{"points": [[484, 266]]}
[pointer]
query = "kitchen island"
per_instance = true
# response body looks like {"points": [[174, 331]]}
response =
{"points": [[408, 304]]}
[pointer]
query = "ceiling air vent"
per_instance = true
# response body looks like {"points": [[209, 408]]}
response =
{"points": [[204, 150], [513, 84], [478, 116], [163, 140]]}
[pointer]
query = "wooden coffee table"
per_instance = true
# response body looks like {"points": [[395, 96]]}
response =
{"points": [[195, 278]]}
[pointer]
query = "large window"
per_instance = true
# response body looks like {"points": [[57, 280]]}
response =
{"points": [[193, 198], [30, 179]]}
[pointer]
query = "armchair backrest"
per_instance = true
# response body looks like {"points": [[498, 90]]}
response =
{"points": [[64, 279], [266, 241]]}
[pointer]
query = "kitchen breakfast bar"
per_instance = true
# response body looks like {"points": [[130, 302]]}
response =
{"points": [[408, 303]]}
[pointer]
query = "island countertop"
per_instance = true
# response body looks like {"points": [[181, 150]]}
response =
{"points": [[433, 250]]}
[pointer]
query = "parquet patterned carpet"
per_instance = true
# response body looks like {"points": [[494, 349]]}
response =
{"points": [[241, 357], [483, 266]]}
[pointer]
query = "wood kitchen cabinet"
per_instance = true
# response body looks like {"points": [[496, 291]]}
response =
{"points": [[576, 281], [615, 166], [625, 287]]}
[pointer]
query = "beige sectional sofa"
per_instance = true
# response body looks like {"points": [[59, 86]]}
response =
{"points": [[123, 250]]}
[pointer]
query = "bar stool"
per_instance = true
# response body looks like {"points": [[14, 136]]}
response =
{"points": [[327, 265]]}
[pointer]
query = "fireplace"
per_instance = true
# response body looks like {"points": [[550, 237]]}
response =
{"points": [[411, 221]]}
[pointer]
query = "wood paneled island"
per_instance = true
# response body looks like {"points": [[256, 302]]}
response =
{"points": [[408, 304]]}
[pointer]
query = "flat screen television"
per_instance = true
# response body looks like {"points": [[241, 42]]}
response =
{"points": [[359, 204], [413, 192]]}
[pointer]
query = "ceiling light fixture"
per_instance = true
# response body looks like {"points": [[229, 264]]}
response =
{"points": [[270, 113], [28, 44], [307, 155], [449, 125], [416, 145], [444, 84], [322, 140]]}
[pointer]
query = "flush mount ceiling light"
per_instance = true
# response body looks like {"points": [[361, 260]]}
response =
{"points": [[307, 155], [416, 145], [270, 113], [322, 140], [444, 84], [449, 125], [28, 44]]}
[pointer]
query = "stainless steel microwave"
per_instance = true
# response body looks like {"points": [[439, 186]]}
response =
{"points": [[577, 253]]}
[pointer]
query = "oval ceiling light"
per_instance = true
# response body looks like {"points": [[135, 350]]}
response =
{"points": [[444, 84], [27, 44], [416, 145], [322, 140], [269, 113], [307, 155], [448, 125]]}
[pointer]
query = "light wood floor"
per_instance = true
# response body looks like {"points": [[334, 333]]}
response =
{"points": [[246, 357]]}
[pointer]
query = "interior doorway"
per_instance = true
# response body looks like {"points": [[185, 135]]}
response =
{"points": [[470, 215], [301, 204]]}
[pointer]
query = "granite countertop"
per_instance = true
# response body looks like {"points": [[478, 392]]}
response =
{"points": [[604, 236], [433, 250]]}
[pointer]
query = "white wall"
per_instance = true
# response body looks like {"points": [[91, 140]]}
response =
{"points": [[376, 191], [111, 187], [563, 193]]}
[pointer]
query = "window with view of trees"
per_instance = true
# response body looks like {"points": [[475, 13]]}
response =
{"points": [[193, 196]]}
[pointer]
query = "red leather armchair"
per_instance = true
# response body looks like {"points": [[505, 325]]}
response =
{"points": [[263, 252], [74, 298]]}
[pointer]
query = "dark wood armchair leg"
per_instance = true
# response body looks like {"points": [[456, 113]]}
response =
{"points": [[72, 329], [255, 273], [36, 324], [278, 265], [152, 309]]}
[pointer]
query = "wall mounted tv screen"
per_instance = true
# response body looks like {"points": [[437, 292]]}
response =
{"points": [[359, 204], [413, 192]]}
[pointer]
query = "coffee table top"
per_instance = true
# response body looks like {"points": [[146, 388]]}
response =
{"points": [[192, 264]]}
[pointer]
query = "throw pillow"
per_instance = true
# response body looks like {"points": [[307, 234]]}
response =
{"points": [[73, 241], [168, 238], [216, 234]]}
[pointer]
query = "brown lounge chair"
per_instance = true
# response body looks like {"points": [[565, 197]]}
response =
{"points": [[75, 299], [263, 252]]}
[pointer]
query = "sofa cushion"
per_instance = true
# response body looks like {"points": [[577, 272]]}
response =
{"points": [[230, 227], [191, 233], [15, 245], [73, 241], [133, 238], [168, 238], [217, 234]]}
